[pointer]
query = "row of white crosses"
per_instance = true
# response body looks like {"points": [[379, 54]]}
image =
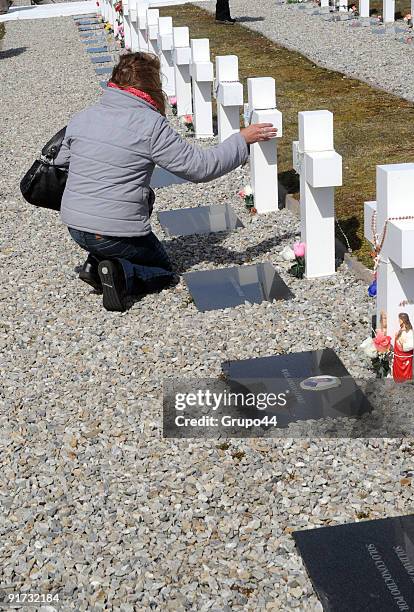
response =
{"points": [[188, 74]]}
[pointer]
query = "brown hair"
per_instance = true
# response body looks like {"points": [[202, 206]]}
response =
{"points": [[406, 320], [142, 71]]}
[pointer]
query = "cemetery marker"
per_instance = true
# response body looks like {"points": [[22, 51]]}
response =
{"points": [[201, 71], [229, 94], [320, 169], [182, 59], [263, 155]]}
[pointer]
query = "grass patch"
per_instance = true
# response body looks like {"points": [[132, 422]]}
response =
{"points": [[371, 126]]}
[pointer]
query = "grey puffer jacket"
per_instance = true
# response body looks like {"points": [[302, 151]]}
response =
{"points": [[112, 149]]}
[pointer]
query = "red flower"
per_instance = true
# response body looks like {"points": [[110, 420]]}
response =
{"points": [[382, 342]]}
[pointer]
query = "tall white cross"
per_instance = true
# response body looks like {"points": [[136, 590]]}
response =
{"points": [[165, 46], [152, 30], [387, 216], [201, 71], [364, 8], [320, 169], [112, 14], [105, 10], [133, 17], [182, 59], [127, 24], [388, 11], [229, 95], [263, 155], [142, 8]]}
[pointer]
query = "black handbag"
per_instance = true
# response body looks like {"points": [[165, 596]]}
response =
{"points": [[43, 185]]}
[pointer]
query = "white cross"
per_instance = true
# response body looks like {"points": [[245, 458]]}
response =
{"points": [[364, 8], [388, 11], [263, 155], [395, 272], [201, 71], [165, 46], [127, 24], [320, 169], [182, 59], [142, 8], [152, 30], [229, 94]]}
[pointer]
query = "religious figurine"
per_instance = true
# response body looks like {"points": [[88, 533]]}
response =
{"points": [[402, 369]]}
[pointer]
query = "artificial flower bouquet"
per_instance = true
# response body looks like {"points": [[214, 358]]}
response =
{"points": [[298, 268], [247, 195], [189, 124], [379, 351], [173, 103]]}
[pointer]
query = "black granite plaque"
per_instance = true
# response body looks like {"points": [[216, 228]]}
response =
{"points": [[104, 70], [90, 34], [163, 178], [100, 40], [199, 220], [318, 385], [361, 567], [229, 287], [85, 22], [89, 29], [101, 59], [97, 49]]}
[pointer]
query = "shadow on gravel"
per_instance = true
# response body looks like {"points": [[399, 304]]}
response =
{"points": [[188, 251], [12, 52]]}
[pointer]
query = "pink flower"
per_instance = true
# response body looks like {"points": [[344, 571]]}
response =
{"points": [[382, 342], [173, 101], [242, 194], [188, 118], [299, 249]]}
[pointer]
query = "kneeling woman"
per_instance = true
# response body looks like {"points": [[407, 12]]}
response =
{"points": [[112, 148]]}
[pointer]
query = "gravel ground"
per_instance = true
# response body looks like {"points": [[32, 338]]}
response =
{"points": [[381, 61], [94, 504]]}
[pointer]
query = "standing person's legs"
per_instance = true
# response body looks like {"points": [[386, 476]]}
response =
{"points": [[222, 10]]}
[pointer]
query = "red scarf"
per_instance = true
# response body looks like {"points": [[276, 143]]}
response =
{"points": [[136, 92]]}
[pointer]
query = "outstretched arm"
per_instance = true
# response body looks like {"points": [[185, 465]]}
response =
{"points": [[173, 153]]}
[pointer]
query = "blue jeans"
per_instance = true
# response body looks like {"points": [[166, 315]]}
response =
{"points": [[144, 260]]}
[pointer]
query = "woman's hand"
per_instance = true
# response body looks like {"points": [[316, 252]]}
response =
{"points": [[258, 132]]}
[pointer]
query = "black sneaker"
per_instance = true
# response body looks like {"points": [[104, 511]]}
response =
{"points": [[112, 278], [228, 21], [89, 274]]}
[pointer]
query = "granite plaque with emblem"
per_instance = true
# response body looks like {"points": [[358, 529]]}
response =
{"points": [[317, 384]]}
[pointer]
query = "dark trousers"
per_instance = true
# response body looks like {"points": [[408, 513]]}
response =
{"points": [[144, 260], [222, 9]]}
